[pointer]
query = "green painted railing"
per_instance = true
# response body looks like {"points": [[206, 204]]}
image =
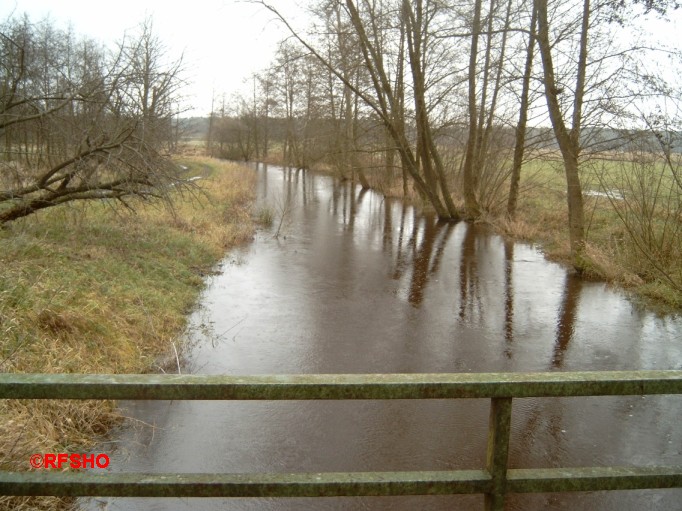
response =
{"points": [[495, 480]]}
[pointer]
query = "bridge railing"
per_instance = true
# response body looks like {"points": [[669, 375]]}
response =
{"points": [[495, 480]]}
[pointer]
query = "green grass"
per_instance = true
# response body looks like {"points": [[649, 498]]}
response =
{"points": [[613, 254], [100, 290]]}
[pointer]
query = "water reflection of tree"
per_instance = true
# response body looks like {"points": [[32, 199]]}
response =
{"points": [[263, 179], [546, 417], [300, 175], [470, 269], [427, 258], [405, 245], [344, 201], [568, 311], [508, 297], [469, 277], [424, 248], [387, 230], [348, 206]]}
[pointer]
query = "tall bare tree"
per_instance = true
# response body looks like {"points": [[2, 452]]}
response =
{"points": [[521, 125], [567, 136], [381, 98], [588, 87]]}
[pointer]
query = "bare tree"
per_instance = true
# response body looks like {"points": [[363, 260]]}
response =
{"points": [[381, 98], [568, 137], [470, 163], [418, 18], [521, 125], [81, 124], [590, 90], [643, 185]]}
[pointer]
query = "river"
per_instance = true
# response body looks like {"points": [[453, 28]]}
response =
{"points": [[356, 283]]}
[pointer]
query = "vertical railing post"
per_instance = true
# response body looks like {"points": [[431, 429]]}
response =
{"points": [[499, 428]]}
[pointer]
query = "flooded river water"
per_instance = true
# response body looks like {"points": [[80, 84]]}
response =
{"points": [[356, 283]]}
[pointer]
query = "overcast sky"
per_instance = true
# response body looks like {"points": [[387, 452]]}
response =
{"points": [[223, 41]]}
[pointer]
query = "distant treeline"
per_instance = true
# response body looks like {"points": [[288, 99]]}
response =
{"points": [[230, 130]]}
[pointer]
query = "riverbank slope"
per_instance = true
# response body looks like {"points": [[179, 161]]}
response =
{"points": [[93, 289]]}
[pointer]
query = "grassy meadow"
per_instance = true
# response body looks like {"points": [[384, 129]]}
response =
{"points": [[633, 224], [89, 288]]}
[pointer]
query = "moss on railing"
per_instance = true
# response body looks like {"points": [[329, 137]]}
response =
{"points": [[496, 481]]}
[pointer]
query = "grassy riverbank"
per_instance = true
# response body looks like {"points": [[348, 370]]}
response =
{"points": [[632, 238], [91, 289]]}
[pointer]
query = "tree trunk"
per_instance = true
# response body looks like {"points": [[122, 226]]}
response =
{"points": [[569, 142], [520, 143], [469, 179], [427, 152]]}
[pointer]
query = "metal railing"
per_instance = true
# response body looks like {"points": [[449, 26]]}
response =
{"points": [[495, 481]]}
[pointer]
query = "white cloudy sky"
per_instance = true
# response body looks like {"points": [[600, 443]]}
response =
{"points": [[223, 41]]}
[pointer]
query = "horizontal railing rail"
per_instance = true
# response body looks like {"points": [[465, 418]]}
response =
{"points": [[495, 481]]}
